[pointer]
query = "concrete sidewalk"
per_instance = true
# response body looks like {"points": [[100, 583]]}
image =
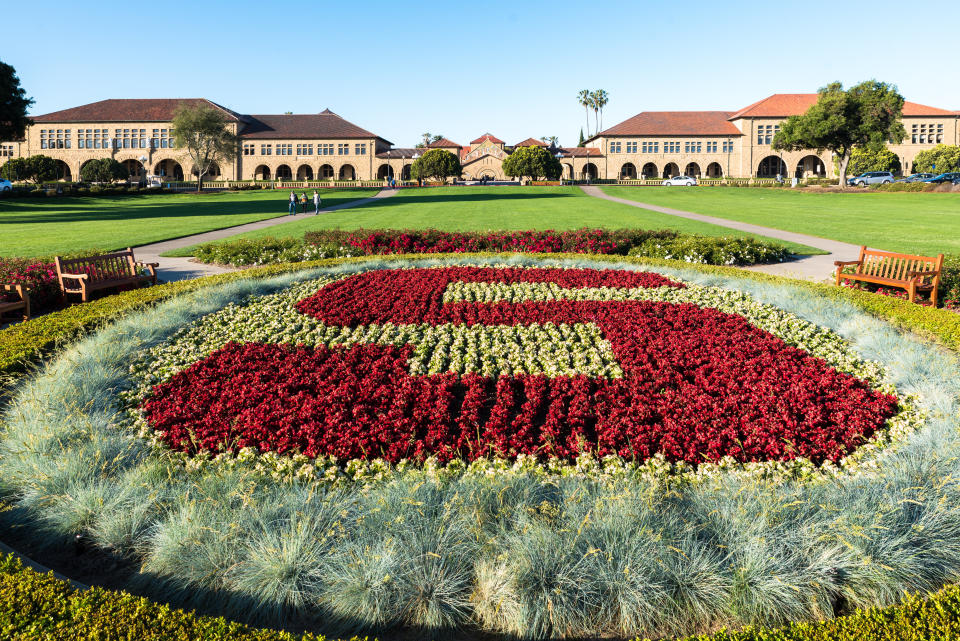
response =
{"points": [[816, 268], [172, 269]]}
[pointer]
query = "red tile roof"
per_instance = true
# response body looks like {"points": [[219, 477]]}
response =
{"points": [[531, 142], [130, 110], [781, 105], [578, 152], [444, 143], [489, 137], [674, 123], [304, 126]]}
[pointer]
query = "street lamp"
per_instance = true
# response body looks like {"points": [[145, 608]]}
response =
{"points": [[558, 156]]}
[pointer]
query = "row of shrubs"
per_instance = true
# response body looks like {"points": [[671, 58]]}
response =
{"points": [[40, 607], [917, 187], [634, 242]]}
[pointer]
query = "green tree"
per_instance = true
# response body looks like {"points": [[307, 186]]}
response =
{"points": [[940, 159], [871, 159], [205, 134], [15, 169], [600, 100], [438, 164], [102, 170], [13, 105], [38, 169], [583, 97], [580, 143], [866, 115], [535, 162], [553, 141]]}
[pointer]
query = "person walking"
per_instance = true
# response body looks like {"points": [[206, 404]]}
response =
{"points": [[316, 202], [303, 203], [293, 204]]}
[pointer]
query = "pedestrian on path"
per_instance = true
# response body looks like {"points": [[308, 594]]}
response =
{"points": [[293, 204], [316, 202], [303, 203]]}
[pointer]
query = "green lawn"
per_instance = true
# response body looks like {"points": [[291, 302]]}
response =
{"points": [[485, 208], [42, 226], [925, 223]]}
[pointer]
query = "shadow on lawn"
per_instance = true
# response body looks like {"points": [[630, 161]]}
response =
{"points": [[464, 197]]}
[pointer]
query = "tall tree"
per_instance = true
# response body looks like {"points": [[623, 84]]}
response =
{"points": [[553, 141], [601, 98], [103, 170], [580, 143], [38, 169], [585, 101], [871, 159], [13, 105], [204, 132], [436, 163], [866, 115], [940, 159], [427, 138], [535, 162], [595, 105]]}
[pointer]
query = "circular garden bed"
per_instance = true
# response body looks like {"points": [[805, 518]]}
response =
{"points": [[545, 448]]}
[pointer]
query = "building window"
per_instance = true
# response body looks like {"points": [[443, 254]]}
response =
{"points": [[361, 148], [160, 139], [615, 147], [940, 133], [727, 146], [55, 138], [913, 134], [284, 149], [325, 149], [266, 150], [343, 149], [248, 149], [711, 146], [650, 147], [671, 147], [6, 151], [304, 150], [765, 133], [632, 147]]}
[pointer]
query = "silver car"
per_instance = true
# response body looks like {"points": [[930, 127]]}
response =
{"points": [[871, 178], [685, 181]]}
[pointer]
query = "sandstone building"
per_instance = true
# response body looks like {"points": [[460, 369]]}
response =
{"points": [[324, 146]]}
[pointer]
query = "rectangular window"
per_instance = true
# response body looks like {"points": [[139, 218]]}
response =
{"points": [[248, 149], [343, 149], [361, 148], [304, 150], [266, 150], [632, 147], [614, 147], [325, 149]]}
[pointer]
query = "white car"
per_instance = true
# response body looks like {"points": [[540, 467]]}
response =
{"points": [[684, 181], [5, 185]]}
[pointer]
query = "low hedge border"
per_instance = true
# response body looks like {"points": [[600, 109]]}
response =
{"points": [[41, 607], [24, 343]]}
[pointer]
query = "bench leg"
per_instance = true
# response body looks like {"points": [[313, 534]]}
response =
{"points": [[912, 293], [933, 296], [839, 269]]}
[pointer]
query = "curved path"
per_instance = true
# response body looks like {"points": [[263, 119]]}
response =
{"points": [[184, 268], [807, 267]]}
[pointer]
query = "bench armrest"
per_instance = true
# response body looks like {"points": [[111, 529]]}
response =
{"points": [[929, 272], [83, 276], [15, 287], [844, 263], [142, 264]]}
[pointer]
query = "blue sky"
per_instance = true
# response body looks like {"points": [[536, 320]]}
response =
{"points": [[461, 69]]}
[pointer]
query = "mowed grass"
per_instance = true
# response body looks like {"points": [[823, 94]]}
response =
{"points": [[43, 226], [494, 208], [925, 223]]}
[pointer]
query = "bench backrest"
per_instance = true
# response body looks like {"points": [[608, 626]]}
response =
{"points": [[896, 266], [105, 267]]}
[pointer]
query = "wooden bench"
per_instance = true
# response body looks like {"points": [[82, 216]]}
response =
{"points": [[904, 271], [85, 275], [22, 291]]}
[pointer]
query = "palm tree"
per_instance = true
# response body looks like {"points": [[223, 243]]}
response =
{"points": [[584, 98], [595, 105], [426, 139], [553, 141], [601, 98]]}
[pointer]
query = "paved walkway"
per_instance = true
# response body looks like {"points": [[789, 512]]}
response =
{"points": [[172, 269], [808, 267]]}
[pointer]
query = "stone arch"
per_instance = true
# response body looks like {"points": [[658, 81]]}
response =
{"points": [[810, 166], [692, 169], [567, 170], [384, 172], [771, 166], [670, 170], [283, 172], [63, 171], [589, 171], [262, 172], [326, 172], [649, 169], [347, 172], [304, 172], [405, 172], [213, 174], [628, 171], [714, 170], [168, 169]]}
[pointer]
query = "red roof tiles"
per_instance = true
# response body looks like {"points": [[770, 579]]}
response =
{"points": [[130, 110], [489, 137], [531, 142], [674, 123], [304, 126], [781, 105], [444, 143]]}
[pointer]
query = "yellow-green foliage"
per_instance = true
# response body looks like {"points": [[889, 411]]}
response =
{"points": [[39, 607]]}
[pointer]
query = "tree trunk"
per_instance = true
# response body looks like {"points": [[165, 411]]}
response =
{"points": [[844, 161], [596, 121], [587, 112]]}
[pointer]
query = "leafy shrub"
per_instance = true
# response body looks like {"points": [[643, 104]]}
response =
{"points": [[713, 251], [268, 250]]}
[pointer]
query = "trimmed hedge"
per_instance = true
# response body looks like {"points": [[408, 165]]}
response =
{"points": [[40, 607]]}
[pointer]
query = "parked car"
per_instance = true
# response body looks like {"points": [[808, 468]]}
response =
{"points": [[5, 185], [956, 181], [912, 178], [685, 181], [944, 178], [871, 178]]}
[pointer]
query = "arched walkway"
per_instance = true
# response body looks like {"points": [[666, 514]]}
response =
{"points": [[168, 169], [283, 173], [384, 172], [810, 166], [714, 170], [304, 172], [650, 170], [771, 166], [63, 171], [671, 170], [213, 174], [326, 172], [347, 173], [405, 172], [262, 172], [134, 168], [589, 171], [567, 171], [628, 171], [693, 169]]}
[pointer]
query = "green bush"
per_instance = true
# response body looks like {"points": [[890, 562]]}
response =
{"points": [[268, 251], [712, 251], [908, 187], [39, 607]]}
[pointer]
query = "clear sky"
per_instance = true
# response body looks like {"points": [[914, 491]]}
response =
{"points": [[460, 69]]}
